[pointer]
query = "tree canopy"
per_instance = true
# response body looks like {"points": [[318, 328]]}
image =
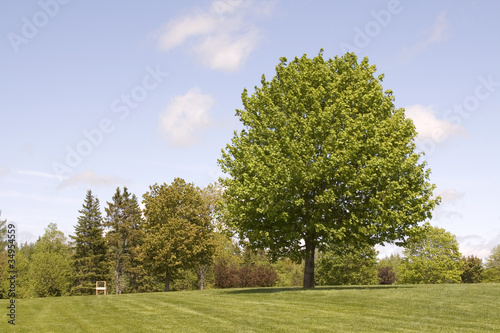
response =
{"points": [[178, 229], [324, 158], [50, 270], [432, 256]]}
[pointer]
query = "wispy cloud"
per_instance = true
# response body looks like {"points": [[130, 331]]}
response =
{"points": [[477, 245], [185, 116], [437, 33], [35, 173], [429, 127], [89, 177], [220, 37], [450, 199]]}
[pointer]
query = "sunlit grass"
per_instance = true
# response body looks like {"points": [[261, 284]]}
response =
{"points": [[422, 308]]}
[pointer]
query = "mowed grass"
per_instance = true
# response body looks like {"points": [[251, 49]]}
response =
{"points": [[414, 308]]}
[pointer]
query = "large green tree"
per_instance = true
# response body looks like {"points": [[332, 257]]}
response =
{"points": [[50, 267], [431, 256], [90, 259], [324, 158], [178, 229], [124, 235]]}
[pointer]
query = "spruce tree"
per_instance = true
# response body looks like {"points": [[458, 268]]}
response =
{"points": [[123, 222], [90, 248]]}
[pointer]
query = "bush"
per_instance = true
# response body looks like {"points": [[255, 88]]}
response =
{"points": [[347, 265], [246, 275], [473, 270], [386, 275]]}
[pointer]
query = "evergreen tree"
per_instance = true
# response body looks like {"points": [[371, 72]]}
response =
{"points": [[124, 234], [90, 248]]}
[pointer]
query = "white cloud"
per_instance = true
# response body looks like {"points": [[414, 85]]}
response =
{"points": [[450, 196], [181, 29], [429, 127], [35, 173], [220, 38], [225, 52], [185, 116], [477, 246], [437, 33], [450, 199], [89, 177]]}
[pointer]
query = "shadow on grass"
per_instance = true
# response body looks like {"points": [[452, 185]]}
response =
{"points": [[272, 290]]}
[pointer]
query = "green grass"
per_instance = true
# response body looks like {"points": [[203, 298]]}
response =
{"points": [[422, 308]]}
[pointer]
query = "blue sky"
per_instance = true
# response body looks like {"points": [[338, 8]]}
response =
{"points": [[126, 93]]}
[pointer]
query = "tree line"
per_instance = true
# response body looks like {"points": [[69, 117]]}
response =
{"points": [[324, 169], [179, 241]]}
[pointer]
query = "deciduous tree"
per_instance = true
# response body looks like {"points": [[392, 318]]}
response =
{"points": [[492, 265], [431, 256], [178, 229], [388, 269], [324, 158], [50, 268]]}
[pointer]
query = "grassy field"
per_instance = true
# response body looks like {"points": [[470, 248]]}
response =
{"points": [[422, 308]]}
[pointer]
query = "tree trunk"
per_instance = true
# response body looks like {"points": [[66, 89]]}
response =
{"points": [[201, 272], [167, 282], [118, 273], [118, 282], [309, 266]]}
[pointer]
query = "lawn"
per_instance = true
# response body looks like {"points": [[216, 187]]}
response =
{"points": [[413, 308]]}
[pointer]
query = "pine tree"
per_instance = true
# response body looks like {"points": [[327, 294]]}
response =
{"points": [[90, 248], [124, 235]]}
